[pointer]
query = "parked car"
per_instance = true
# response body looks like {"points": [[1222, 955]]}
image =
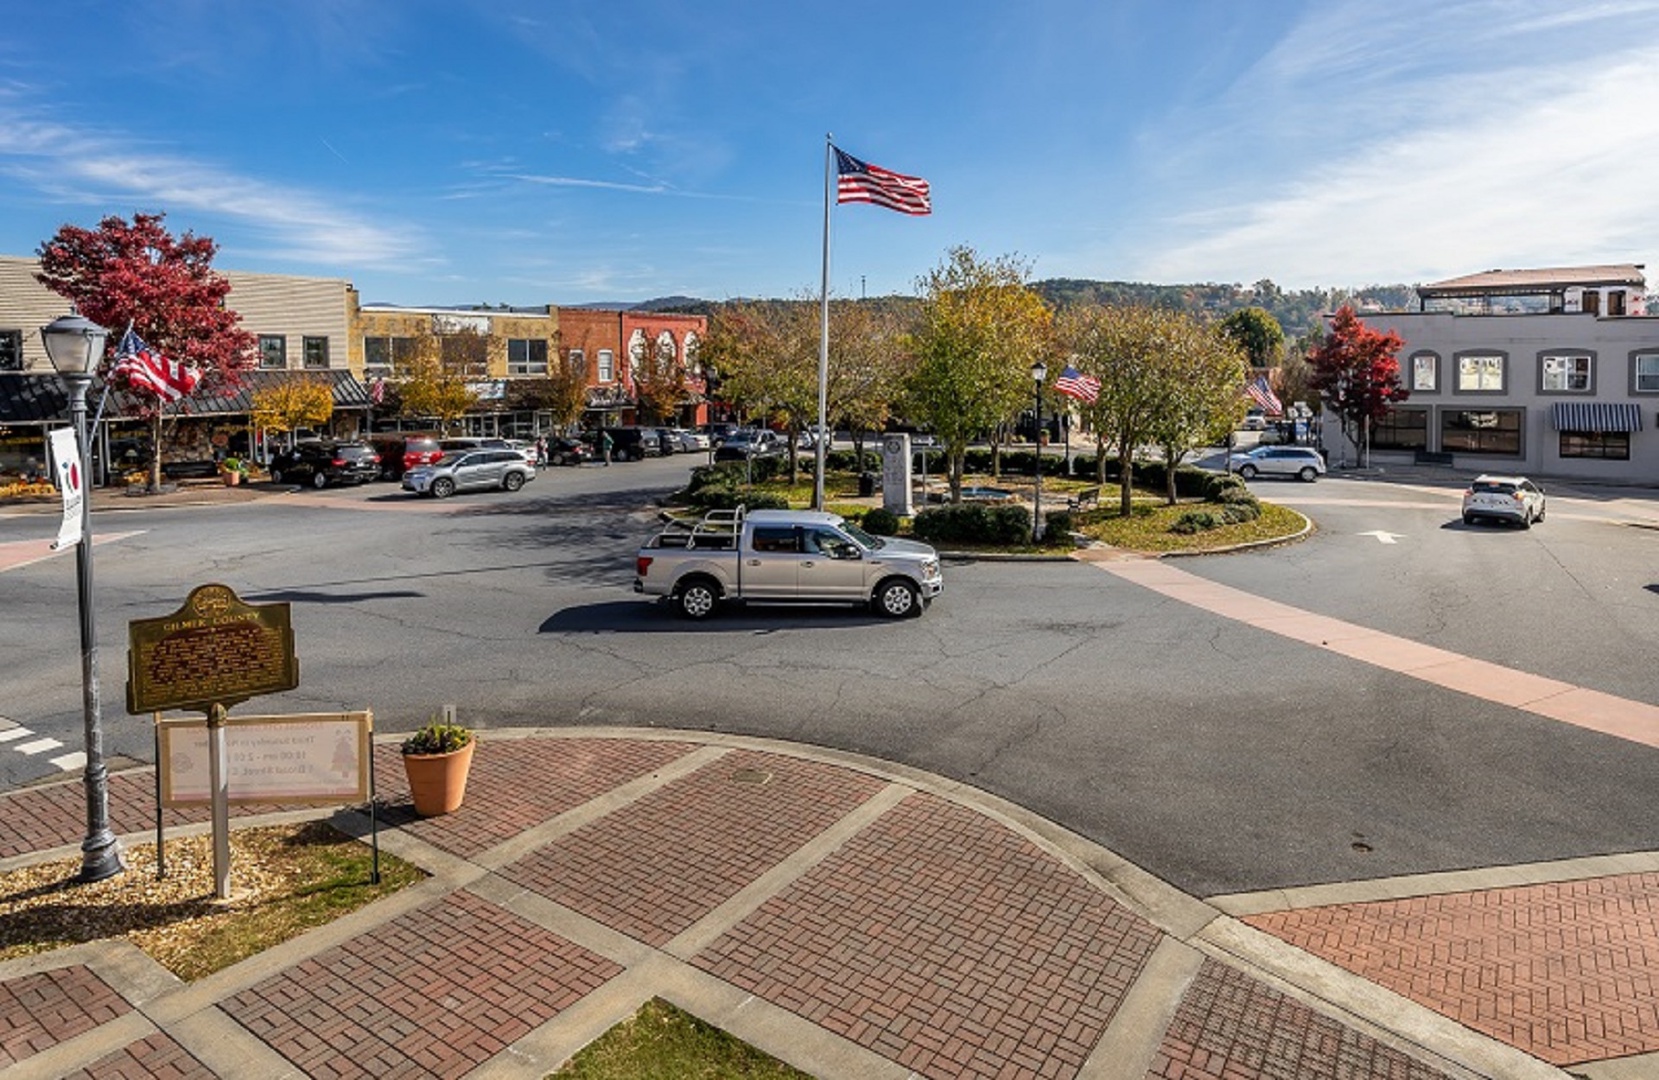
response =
{"points": [[470, 470], [322, 463], [719, 432], [1302, 462], [666, 441], [750, 443], [630, 443], [1503, 498], [564, 450], [689, 441], [401, 451], [1254, 420]]}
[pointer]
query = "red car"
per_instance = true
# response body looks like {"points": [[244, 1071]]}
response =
{"points": [[401, 451]]}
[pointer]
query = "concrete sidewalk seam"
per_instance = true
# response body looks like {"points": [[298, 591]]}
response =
{"points": [[1128, 1049], [58, 1061], [1442, 883]]}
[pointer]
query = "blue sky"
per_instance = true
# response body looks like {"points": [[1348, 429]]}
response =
{"points": [[569, 152]]}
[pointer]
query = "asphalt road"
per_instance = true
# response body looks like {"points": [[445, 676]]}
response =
{"points": [[1219, 757]]}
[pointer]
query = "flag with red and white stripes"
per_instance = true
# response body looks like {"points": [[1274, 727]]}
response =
{"points": [[859, 181], [146, 369], [1074, 383], [1262, 394]]}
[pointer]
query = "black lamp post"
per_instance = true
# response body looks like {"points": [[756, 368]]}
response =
{"points": [[1039, 372], [75, 345]]}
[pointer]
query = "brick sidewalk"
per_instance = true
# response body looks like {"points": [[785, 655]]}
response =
{"points": [[852, 918]]}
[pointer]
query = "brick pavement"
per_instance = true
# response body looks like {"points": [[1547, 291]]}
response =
{"points": [[853, 919], [1567, 971]]}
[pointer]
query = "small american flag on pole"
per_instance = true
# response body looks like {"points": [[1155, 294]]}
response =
{"points": [[859, 181], [1262, 394], [145, 369], [1074, 383]]}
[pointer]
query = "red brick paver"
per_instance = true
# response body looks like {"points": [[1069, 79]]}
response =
{"points": [[155, 1058], [653, 868], [1233, 1027], [947, 943], [37, 1012], [433, 993], [1567, 972], [41, 818], [516, 784]]}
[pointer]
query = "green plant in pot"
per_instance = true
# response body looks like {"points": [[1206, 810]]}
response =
{"points": [[437, 758]]}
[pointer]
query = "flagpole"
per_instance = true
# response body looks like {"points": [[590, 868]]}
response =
{"points": [[823, 333]]}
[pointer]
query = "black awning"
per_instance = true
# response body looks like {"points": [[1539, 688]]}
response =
{"points": [[1597, 416], [37, 398]]}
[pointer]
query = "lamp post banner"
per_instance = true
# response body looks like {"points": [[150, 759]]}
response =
{"points": [[66, 466]]}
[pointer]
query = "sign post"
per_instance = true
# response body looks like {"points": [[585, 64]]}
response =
{"points": [[210, 654]]}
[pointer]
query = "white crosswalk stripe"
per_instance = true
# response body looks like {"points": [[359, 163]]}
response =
{"points": [[38, 746], [66, 762]]}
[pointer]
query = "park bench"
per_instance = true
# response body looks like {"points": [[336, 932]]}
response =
{"points": [[1087, 499]]}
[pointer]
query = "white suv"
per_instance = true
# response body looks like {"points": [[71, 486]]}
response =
{"points": [[1503, 498], [1302, 462]]}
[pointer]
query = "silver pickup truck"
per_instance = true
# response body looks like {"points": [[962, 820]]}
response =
{"points": [[785, 556]]}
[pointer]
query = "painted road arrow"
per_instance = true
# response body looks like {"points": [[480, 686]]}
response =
{"points": [[1384, 537]]}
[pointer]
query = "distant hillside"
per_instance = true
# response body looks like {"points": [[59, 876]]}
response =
{"points": [[1297, 310]]}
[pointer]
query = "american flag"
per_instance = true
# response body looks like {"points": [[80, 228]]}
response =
{"points": [[377, 391], [146, 369], [859, 181], [1074, 383], [1263, 395]]}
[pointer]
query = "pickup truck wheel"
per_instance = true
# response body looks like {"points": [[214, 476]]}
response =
{"points": [[697, 599], [897, 599]]}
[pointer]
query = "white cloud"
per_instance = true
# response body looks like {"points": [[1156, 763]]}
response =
{"points": [[1433, 173], [87, 166]]}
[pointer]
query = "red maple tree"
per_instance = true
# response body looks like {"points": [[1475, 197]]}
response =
{"points": [[137, 273], [1356, 373]]}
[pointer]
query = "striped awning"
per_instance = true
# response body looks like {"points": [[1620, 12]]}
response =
{"points": [[1597, 416]]}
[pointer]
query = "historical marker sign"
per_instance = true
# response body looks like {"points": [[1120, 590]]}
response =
{"points": [[215, 650]]}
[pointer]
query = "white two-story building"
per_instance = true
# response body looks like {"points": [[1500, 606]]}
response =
{"points": [[1551, 372]]}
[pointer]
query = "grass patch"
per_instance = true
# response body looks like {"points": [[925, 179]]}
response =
{"points": [[1147, 528], [284, 879], [661, 1042]]}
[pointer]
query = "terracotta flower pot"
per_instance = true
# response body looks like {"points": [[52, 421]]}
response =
{"points": [[438, 782], [230, 478]]}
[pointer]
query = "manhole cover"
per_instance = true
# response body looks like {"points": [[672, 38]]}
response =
{"points": [[757, 777]]}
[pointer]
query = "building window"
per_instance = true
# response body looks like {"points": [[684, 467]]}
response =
{"points": [[1482, 431], [527, 356], [1565, 373], [273, 351], [1480, 373], [1645, 373], [607, 365], [577, 361], [11, 350], [385, 356], [1425, 373], [1401, 429], [316, 353], [1609, 445]]}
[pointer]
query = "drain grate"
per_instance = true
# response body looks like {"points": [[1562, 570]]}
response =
{"points": [[757, 777]]}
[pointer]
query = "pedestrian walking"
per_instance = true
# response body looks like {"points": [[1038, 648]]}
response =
{"points": [[605, 444], [541, 451]]}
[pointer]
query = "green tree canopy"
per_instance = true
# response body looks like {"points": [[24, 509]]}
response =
{"points": [[1258, 334], [979, 331]]}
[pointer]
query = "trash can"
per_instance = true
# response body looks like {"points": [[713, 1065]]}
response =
{"points": [[866, 484]]}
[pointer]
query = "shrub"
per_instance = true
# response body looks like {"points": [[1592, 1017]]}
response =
{"points": [[881, 522], [973, 523], [1057, 528], [847, 461], [1194, 521]]}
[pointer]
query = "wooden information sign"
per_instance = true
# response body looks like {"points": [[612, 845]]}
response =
{"points": [[307, 759], [215, 650]]}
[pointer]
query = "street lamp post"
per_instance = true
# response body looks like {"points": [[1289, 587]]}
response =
{"points": [[1039, 372], [75, 345]]}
